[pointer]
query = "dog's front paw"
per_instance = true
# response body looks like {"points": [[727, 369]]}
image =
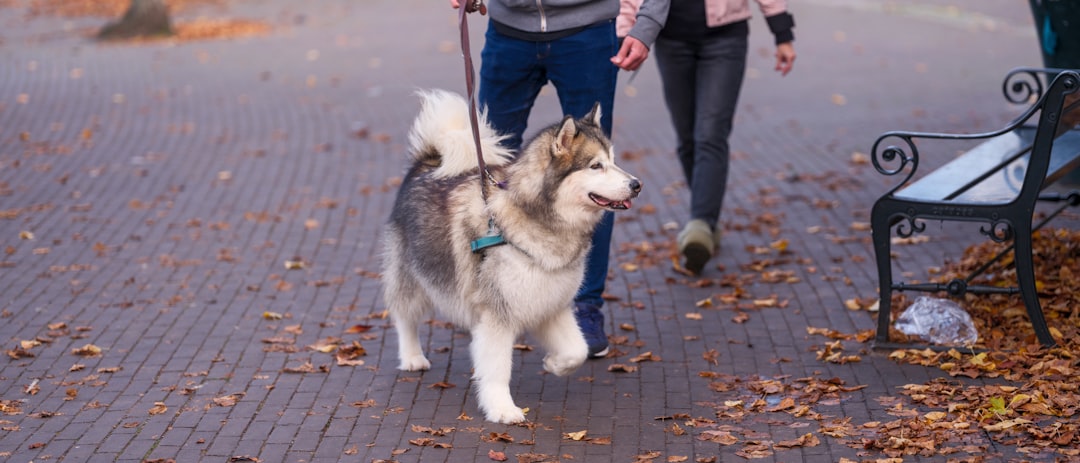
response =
{"points": [[562, 365], [505, 415], [498, 406], [414, 363]]}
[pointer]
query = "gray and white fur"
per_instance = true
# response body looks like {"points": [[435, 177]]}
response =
{"points": [[553, 195]]}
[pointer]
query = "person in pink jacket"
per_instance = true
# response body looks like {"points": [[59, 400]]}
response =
{"points": [[701, 54]]}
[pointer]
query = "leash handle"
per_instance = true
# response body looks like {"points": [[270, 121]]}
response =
{"points": [[470, 85]]}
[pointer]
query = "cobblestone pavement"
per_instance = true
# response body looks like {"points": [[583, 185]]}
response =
{"points": [[163, 201]]}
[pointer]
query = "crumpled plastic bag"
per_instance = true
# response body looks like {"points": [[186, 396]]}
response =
{"points": [[939, 321]]}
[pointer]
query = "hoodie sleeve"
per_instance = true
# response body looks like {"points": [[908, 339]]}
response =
{"points": [[781, 26], [780, 21], [650, 19]]}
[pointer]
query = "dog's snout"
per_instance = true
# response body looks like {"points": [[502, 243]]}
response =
{"points": [[635, 186]]}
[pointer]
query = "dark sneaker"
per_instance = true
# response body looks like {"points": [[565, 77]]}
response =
{"points": [[591, 322]]}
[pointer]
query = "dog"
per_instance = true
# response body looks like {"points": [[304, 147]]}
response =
{"points": [[545, 206]]}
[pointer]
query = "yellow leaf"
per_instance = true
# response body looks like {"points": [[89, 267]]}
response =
{"points": [[576, 435], [720, 437], [785, 403], [740, 317], [647, 356], [325, 346], [1006, 424], [765, 303], [1056, 333], [228, 400], [88, 350], [980, 360], [997, 405], [1019, 399], [935, 416]]}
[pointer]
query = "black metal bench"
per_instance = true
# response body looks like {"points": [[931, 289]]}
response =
{"points": [[996, 183]]}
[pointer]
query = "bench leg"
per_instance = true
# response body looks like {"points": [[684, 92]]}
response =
{"points": [[882, 236], [1025, 275]]}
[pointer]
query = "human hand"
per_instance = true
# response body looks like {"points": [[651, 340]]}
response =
{"points": [[785, 58], [632, 53], [470, 6]]}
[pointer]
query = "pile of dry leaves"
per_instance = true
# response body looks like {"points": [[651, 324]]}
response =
{"points": [[199, 28], [1006, 397], [1001, 320], [103, 8], [1036, 405]]}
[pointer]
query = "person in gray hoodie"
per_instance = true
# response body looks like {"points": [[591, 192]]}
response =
{"points": [[571, 44]]}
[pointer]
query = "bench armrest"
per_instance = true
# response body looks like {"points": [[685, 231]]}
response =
{"points": [[1025, 85], [890, 158], [896, 153]]}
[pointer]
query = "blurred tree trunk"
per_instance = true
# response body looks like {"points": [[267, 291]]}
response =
{"points": [[143, 18]]}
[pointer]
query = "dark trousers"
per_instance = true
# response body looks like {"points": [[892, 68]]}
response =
{"points": [[702, 80], [513, 71]]}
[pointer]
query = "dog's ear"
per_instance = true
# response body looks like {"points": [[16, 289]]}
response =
{"points": [[564, 137], [594, 115]]}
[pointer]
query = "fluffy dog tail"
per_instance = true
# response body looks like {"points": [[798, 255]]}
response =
{"points": [[442, 136]]}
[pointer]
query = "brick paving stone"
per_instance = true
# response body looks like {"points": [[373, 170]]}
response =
{"points": [[306, 441], [228, 446]]}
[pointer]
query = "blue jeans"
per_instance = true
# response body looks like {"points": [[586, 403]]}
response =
{"points": [[513, 71], [701, 82]]}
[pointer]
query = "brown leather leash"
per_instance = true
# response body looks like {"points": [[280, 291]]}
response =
{"points": [[470, 85], [494, 236]]}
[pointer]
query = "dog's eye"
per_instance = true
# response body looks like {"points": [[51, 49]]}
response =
{"points": [[596, 166]]}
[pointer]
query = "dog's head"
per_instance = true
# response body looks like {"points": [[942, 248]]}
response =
{"points": [[585, 158]]}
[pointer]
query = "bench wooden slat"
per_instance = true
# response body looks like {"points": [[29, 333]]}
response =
{"points": [[1003, 185]]}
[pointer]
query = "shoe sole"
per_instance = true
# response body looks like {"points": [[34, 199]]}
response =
{"points": [[696, 257], [600, 354]]}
